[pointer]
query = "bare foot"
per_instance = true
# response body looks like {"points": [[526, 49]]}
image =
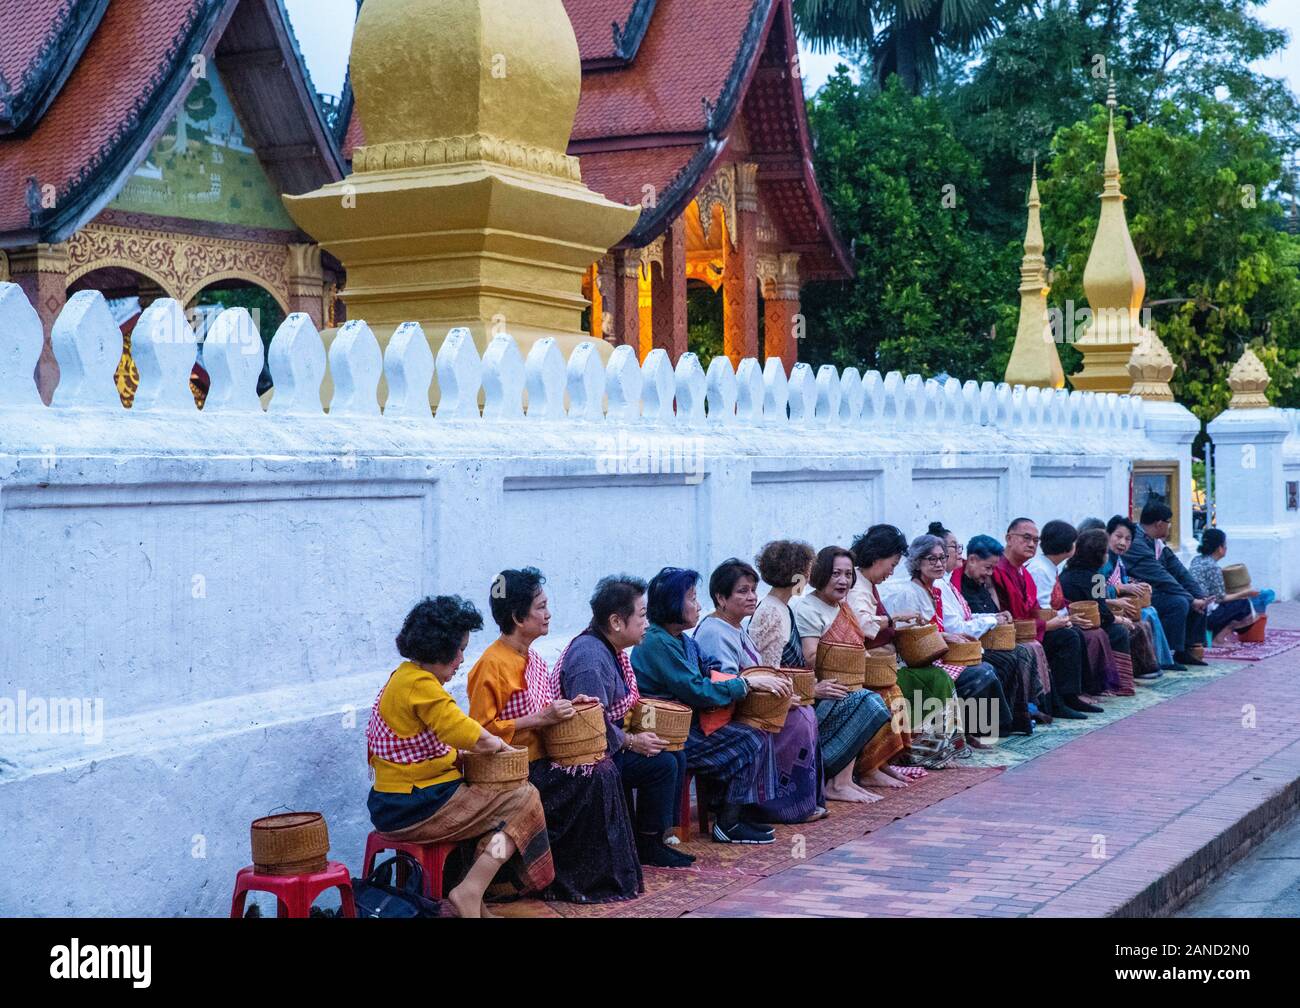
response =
{"points": [[463, 905], [483, 911], [871, 795], [855, 794], [898, 774], [878, 778]]}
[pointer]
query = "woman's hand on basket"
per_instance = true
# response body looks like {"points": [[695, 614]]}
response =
{"points": [[830, 689], [765, 683], [557, 711], [646, 744]]}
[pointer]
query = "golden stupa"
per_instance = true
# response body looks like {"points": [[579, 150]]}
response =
{"points": [[463, 207], [1116, 287], [1034, 358]]}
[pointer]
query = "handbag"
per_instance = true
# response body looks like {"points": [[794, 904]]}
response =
{"points": [[379, 897]]}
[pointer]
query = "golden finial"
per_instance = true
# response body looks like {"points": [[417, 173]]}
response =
{"points": [[1248, 380], [1150, 367], [1034, 358]]}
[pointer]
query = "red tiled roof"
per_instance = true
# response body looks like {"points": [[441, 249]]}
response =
{"points": [[623, 175], [103, 103], [594, 25], [687, 58], [42, 41]]}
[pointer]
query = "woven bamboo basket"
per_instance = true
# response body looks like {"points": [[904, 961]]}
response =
{"points": [[1026, 630], [1236, 577], [579, 740], [764, 711], [499, 771], [295, 843], [921, 645], [882, 671], [1047, 615], [964, 653], [843, 663], [1001, 638], [668, 719], [1143, 600], [1120, 607], [805, 685], [1089, 611]]}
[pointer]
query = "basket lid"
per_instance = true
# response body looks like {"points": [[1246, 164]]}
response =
{"points": [[287, 820]]}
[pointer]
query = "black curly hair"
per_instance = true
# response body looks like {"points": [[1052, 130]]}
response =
{"points": [[436, 629]]}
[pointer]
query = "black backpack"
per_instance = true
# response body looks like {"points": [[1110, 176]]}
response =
{"points": [[378, 896]]}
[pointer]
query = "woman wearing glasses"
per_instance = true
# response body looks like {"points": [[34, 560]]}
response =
{"points": [[930, 593]]}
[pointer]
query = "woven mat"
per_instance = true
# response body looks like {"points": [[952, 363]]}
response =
{"points": [[1016, 749], [721, 869], [1275, 643]]}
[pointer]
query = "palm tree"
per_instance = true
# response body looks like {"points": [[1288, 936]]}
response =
{"points": [[903, 37]]}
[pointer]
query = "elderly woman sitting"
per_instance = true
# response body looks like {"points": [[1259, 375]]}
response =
{"points": [[1082, 581], [419, 795], [724, 644], [823, 616], [514, 696], [596, 664], [735, 758], [930, 593]]}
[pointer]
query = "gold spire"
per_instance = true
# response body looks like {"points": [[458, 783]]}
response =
{"points": [[1114, 284], [1248, 380], [1034, 359]]}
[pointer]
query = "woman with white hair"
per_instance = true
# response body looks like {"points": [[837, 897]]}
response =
{"points": [[930, 593]]}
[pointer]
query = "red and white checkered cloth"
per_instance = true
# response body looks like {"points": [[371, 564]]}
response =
{"points": [[618, 710], [541, 688], [385, 743]]}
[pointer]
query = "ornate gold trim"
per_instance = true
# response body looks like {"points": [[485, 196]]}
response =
{"points": [[473, 147]]}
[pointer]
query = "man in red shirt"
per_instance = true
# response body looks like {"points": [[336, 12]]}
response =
{"points": [[1064, 645]]}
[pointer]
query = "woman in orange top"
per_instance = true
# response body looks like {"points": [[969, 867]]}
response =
{"points": [[513, 694], [413, 735]]}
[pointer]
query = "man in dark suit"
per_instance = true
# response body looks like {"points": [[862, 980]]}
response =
{"points": [[1173, 592]]}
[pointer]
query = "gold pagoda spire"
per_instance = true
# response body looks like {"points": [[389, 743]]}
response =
{"points": [[1034, 359], [1115, 286], [1248, 380]]}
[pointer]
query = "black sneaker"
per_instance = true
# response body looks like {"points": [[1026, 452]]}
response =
{"points": [[662, 856], [1087, 708], [1065, 712], [743, 833], [1187, 659], [1148, 675], [1175, 667]]}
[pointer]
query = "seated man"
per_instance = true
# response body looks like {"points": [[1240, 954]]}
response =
{"points": [[1018, 595], [1174, 592]]}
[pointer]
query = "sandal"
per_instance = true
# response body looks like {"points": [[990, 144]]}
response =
{"points": [[911, 772]]}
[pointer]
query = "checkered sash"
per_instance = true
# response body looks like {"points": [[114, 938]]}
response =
{"points": [[385, 743], [617, 711], [541, 688], [953, 670]]}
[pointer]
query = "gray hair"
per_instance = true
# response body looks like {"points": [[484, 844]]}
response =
{"points": [[1091, 523], [921, 546]]}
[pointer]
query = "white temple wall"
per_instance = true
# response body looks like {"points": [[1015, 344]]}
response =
{"points": [[223, 588]]}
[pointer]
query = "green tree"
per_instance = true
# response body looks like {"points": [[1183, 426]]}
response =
{"points": [[927, 285], [903, 37], [1220, 273], [1052, 61]]}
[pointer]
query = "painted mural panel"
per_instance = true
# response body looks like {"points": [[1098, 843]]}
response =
{"points": [[203, 169]]}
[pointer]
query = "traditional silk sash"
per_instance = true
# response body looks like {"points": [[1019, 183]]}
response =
{"points": [[541, 688]]}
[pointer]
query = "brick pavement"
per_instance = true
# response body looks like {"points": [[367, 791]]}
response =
{"points": [[1128, 820]]}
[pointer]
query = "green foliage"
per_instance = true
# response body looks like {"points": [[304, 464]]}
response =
{"points": [[1220, 274], [928, 285], [705, 312], [903, 37]]}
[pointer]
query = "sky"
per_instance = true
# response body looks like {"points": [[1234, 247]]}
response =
{"points": [[324, 30]]}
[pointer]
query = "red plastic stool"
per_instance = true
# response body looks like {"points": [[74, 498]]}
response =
{"points": [[684, 808], [431, 856], [294, 894]]}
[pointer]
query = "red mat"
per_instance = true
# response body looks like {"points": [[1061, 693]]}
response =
{"points": [[1275, 643]]}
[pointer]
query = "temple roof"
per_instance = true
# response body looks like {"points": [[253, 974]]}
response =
{"points": [[125, 83], [35, 63], [667, 90]]}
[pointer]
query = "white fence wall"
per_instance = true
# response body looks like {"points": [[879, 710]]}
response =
{"points": [[226, 585]]}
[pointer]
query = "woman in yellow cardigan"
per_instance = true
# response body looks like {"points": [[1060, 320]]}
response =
{"points": [[413, 738]]}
